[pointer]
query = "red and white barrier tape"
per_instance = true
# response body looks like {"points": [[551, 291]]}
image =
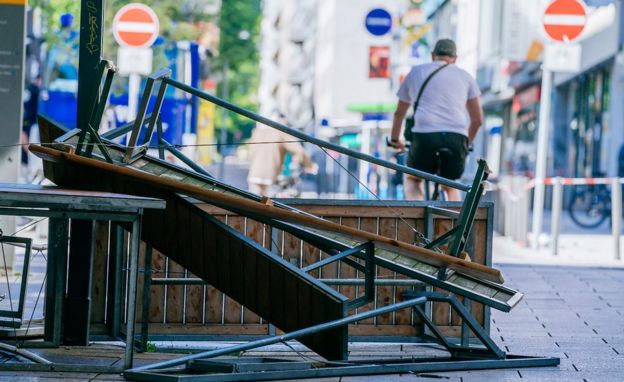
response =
{"points": [[530, 184]]}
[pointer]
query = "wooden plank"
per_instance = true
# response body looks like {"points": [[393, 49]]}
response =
{"points": [[100, 258], [195, 293], [277, 290], [208, 329], [368, 224], [406, 316], [441, 312], [254, 231], [347, 271], [292, 250], [157, 292], [292, 287], [264, 289], [232, 310], [386, 294], [383, 330], [329, 271]]}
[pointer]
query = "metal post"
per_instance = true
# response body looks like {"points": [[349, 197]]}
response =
{"points": [[224, 114], [90, 52], [542, 155], [55, 278], [556, 215], [132, 289], [134, 83], [616, 215]]}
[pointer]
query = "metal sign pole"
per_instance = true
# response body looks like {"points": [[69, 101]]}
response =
{"points": [[542, 155], [90, 52]]}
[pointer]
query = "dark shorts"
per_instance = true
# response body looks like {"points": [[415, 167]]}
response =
{"points": [[424, 146]]}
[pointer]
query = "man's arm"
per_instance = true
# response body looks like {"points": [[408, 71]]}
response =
{"points": [[476, 117], [397, 124]]}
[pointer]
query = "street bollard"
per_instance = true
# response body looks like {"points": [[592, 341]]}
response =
{"points": [[557, 203], [616, 215]]}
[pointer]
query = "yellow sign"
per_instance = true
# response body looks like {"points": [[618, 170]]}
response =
{"points": [[206, 132], [14, 2], [417, 34]]}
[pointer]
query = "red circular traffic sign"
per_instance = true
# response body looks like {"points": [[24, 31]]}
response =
{"points": [[564, 20], [135, 25]]}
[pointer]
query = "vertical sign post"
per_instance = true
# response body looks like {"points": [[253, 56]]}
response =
{"points": [[563, 21], [135, 28], [78, 300], [12, 20]]}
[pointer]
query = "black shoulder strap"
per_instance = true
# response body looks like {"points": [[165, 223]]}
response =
{"points": [[422, 88]]}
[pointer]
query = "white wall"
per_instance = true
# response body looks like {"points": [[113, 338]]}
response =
{"points": [[342, 57]]}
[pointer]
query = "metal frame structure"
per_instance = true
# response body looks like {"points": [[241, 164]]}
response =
{"points": [[463, 355], [136, 147], [60, 208], [15, 315]]}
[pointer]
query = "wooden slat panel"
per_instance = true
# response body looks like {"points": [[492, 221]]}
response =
{"points": [[368, 224], [347, 271], [232, 310], [406, 316], [254, 231], [194, 293], [98, 286], [329, 271], [157, 292], [385, 294]]}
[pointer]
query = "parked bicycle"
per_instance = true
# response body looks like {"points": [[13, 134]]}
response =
{"points": [[590, 205]]}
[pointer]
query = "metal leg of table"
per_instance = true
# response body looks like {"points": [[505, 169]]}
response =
{"points": [[132, 291], [55, 279]]}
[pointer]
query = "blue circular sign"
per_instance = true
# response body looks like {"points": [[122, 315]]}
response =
{"points": [[378, 22]]}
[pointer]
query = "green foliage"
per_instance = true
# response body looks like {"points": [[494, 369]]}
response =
{"points": [[150, 348], [238, 47], [51, 11]]}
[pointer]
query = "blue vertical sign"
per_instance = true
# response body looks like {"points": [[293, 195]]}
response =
{"points": [[378, 22]]}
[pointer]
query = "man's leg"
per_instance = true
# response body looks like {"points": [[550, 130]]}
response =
{"points": [[413, 188], [452, 194]]}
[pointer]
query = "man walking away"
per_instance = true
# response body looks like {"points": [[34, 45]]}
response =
{"points": [[447, 114]]}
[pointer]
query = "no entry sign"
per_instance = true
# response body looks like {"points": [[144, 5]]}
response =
{"points": [[135, 25], [564, 20]]}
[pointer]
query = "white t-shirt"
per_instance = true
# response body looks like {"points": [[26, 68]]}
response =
{"points": [[442, 106]]}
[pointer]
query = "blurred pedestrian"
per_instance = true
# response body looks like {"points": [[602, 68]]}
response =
{"points": [[31, 105], [447, 114], [267, 150]]}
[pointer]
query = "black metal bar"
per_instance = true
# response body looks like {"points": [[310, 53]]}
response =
{"points": [[433, 328], [469, 320], [147, 284], [84, 133], [369, 275], [284, 337], [78, 300], [314, 140], [96, 119], [156, 110], [331, 281], [121, 130], [442, 238], [443, 212], [329, 260], [178, 154], [469, 209], [140, 119], [161, 149]]}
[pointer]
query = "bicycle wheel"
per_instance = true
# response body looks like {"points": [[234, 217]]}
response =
{"points": [[589, 206]]}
